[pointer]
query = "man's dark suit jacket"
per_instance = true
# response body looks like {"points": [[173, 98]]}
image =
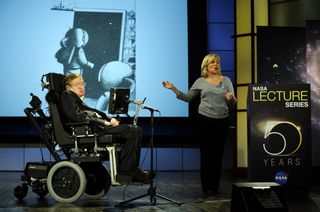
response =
{"points": [[74, 110]]}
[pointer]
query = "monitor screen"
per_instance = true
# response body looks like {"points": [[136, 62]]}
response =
{"points": [[119, 100]]}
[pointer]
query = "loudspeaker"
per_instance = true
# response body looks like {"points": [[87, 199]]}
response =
{"points": [[258, 197]]}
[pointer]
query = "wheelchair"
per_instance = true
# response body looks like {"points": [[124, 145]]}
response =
{"points": [[79, 153]]}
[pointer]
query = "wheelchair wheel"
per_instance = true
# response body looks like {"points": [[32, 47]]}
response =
{"points": [[21, 191], [66, 182], [98, 179]]}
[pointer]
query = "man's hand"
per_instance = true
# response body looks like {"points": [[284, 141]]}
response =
{"points": [[114, 122]]}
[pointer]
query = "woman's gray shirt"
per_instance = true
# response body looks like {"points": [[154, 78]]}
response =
{"points": [[214, 103]]}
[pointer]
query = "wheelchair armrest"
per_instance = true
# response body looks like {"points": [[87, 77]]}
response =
{"points": [[98, 122], [79, 128], [77, 124], [85, 128], [93, 122]]}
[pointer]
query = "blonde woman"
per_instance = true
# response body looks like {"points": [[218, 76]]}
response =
{"points": [[216, 94]]}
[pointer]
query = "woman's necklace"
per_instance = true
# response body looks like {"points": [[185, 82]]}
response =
{"points": [[214, 80]]}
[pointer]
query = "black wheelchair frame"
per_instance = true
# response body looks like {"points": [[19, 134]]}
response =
{"points": [[79, 154]]}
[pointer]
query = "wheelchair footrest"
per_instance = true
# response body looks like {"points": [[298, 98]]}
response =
{"points": [[86, 158]]}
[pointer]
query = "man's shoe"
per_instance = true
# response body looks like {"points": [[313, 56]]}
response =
{"points": [[143, 176]]}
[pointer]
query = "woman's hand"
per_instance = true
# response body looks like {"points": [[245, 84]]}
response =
{"points": [[229, 96], [167, 84]]}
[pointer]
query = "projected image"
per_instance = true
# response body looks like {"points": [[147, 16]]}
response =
{"points": [[292, 55], [101, 47], [71, 54], [114, 43]]}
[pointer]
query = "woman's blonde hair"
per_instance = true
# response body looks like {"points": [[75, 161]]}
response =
{"points": [[206, 61], [70, 77]]}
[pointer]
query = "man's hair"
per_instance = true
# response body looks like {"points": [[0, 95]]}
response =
{"points": [[70, 77]]}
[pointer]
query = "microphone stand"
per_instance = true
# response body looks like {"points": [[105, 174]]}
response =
{"points": [[151, 190]]}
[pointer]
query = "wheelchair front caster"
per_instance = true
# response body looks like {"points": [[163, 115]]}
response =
{"points": [[21, 191]]}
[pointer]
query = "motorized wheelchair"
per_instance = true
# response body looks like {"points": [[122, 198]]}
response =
{"points": [[79, 153]]}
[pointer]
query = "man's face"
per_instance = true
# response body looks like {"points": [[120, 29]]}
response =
{"points": [[77, 86]]}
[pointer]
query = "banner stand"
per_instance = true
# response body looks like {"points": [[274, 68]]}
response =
{"points": [[279, 136]]}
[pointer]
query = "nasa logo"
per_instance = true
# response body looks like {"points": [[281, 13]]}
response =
{"points": [[281, 177], [259, 88]]}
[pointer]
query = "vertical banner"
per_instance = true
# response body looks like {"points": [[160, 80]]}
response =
{"points": [[313, 77], [281, 54], [279, 120]]}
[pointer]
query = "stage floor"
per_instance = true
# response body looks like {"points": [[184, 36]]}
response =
{"points": [[183, 187]]}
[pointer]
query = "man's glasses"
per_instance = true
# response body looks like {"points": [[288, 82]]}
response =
{"points": [[80, 84]]}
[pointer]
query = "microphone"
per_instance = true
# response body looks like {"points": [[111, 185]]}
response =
{"points": [[143, 106], [137, 102]]}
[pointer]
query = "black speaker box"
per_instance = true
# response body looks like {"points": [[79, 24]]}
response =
{"points": [[258, 197]]}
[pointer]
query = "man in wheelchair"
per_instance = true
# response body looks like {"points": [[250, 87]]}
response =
{"points": [[73, 109]]}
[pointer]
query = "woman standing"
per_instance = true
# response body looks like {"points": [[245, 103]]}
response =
{"points": [[216, 94]]}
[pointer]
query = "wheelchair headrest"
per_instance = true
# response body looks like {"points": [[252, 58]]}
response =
{"points": [[53, 82]]}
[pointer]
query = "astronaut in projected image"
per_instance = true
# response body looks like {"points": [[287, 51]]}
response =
{"points": [[71, 54], [114, 74]]}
